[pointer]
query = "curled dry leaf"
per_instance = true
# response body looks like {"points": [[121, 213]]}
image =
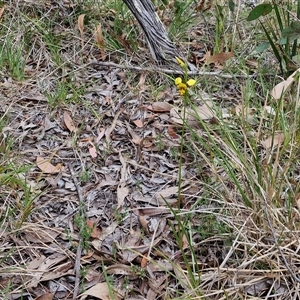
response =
{"points": [[122, 193], [120, 269], [122, 190], [193, 116], [45, 165], [69, 122], [144, 222], [2, 11], [219, 58], [48, 296], [139, 123], [270, 110], [172, 133], [144, 261], [80, 23], [101, 291], [100, 41], [93, 150], [96, 232], [167, 192], [274, 141], [298, 201], [282, 87], [105, 232], [160, 107]]}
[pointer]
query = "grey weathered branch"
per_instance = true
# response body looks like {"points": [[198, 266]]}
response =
{"points": [[161, 47]]}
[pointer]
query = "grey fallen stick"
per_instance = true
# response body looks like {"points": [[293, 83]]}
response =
{"points": [[161, 47]]}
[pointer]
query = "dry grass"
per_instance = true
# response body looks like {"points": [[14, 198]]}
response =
{"points": [[108, 213]]}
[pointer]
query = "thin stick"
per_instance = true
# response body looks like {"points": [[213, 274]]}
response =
{"points": [[168, 71], [79, 248]]}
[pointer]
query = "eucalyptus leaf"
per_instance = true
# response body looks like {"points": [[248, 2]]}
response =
{"points": [[282, 41], [296, 58], [262, 47], [292, 32], [231, 5], [259, 10]]}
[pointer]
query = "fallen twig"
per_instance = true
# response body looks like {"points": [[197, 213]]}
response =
{"points": [[169, 71], [79, 248]]}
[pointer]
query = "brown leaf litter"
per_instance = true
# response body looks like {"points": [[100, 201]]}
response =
{"points": [[123, 147]]}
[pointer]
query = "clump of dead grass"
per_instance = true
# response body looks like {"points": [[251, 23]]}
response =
{"points": [[231, 233]]}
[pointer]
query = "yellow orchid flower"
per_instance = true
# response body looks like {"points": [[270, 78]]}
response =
{"points": [[180, 62], [182, 87], [191, 82], [178, 80]]}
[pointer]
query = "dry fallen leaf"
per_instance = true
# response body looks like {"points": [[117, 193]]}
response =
{"points": [[204, 112], [47, 296], [105, 232], [252, 63], [96, 232], [69, 122], [274, 141], [101, 291], [80, 23], [144, 261], [122, 193], [100, 41], [167, 192], [219, 58], [282, 87], [139, 123], [160, 107], [172, 133], [93, 150], [298, 201], [193, 116], [2, 11], [120, 269], [122, 190], [45, 165]]}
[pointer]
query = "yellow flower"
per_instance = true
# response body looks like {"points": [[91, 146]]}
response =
{"points": [[182, 87], [191, 82], [178, 80], [180, 62]]}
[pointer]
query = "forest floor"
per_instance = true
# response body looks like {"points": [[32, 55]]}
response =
{"points": [[114, 186]]}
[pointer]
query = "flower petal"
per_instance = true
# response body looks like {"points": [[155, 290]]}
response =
{"points": [[180, 62], [182, 86], [178, 80], [191, 82]]}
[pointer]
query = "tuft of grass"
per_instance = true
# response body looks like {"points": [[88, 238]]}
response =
{"points": [[12, 57]]}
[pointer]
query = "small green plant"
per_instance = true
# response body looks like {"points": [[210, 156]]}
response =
{"points": [[44, 29], [63, 92], [85, 176], [13, 178], [282, 29], [182, 19], [12, 57], [138, 271], [85, 231], [119, 216]]}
